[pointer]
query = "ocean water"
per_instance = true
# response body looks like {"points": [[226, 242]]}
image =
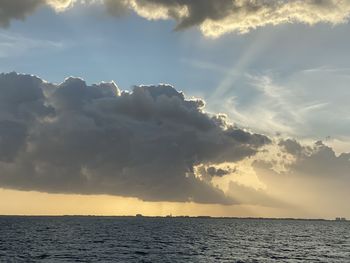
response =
{"points": [[117, 239]]}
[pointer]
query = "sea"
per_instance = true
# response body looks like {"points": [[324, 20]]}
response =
{"points": [[157, 239]]}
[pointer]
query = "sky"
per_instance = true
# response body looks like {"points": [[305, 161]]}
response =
{"points": [[222, 108]]}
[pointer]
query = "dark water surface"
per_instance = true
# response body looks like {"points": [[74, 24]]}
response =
{"points": [[116, 239]]}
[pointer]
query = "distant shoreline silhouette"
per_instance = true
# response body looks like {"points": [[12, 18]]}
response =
{"points": [[167, 217]]}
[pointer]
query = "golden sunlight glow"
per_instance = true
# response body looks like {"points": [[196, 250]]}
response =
{"points": [[60, 5], [35, 203]]}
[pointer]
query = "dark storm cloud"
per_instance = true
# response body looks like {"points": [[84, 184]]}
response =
{"points": [[16, 9], [12, 138], [75, 138]]}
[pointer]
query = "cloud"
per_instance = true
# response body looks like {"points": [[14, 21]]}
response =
{"points": [[319, 160], [76, 138], [216, 17], [60, 5], [155, 144], [19, 9], [208, 172], [212, 171], [16, 9], [315, 177], [213, 17]]}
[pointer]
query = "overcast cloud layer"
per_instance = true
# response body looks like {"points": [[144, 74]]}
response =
{"points": [[213, 17], [74, 138]]}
